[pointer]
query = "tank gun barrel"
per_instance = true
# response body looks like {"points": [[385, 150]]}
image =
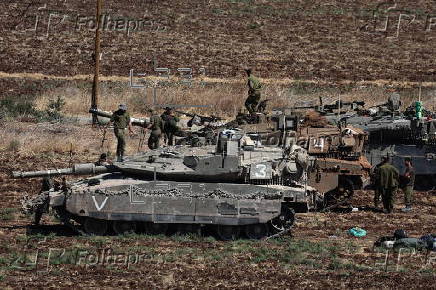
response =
{"points": [[134, 121], [77, 169]]}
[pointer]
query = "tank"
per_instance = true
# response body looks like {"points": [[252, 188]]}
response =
{"points": [[340, 165], [233, 188], [392, 133]]}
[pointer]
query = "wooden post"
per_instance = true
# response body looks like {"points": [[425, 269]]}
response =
{"points": [[95, 84]]}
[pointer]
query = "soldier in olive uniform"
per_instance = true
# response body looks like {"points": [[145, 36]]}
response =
{"points": [[169, 125], [155, 126], [388, 180], [254, 88], [376, 182], [409, 178], [121, 121]]}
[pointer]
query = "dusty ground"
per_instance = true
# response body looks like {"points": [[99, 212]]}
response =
{"points": [[301, 49], [319, 254]]}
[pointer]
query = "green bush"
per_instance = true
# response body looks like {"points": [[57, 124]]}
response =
{"points": [[18, 106], [54, 109], [14, 107]]}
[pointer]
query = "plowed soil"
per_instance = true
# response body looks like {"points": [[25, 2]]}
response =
{"points": [[333, 42], [309, 40]]}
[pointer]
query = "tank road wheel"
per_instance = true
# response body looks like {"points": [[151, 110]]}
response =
{"points": [[273, 140], [284, 221], [184, 229], [256, 231], [156, 228], [95, 226], [228, 233], [124, 227]]}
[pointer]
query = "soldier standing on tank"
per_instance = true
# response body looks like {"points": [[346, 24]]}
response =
{"points": [[388, 184], [409, 178], [254, 88], [156, 125], [169, 125], [121, 121]]}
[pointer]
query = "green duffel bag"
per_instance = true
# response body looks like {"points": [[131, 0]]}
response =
{"points": [[410, 243]]}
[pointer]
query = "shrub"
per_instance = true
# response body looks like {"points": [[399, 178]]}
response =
{"points": [[13, 146], [54, 108]]}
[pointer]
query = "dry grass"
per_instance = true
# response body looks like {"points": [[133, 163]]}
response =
{"points": [[27, 139], [223, 98]]}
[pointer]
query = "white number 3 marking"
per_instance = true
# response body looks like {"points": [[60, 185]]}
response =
{"points": [[260, 170]]}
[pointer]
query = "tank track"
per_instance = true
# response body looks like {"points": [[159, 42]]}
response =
{"points": [[87, 226]]}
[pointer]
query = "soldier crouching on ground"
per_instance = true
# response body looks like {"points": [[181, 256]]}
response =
{"points": [[388, 179], [169, 125], [155, 126], [121, 121], [408, 183], [254, 88]]}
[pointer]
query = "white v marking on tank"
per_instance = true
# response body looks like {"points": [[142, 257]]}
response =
{"points": [[99, 207]]}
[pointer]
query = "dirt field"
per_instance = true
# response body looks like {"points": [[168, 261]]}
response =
{"points": [[301, 50], [318, 254], [304, 40]]}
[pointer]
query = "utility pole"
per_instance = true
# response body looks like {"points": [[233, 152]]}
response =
{"points": [[95, 84]]}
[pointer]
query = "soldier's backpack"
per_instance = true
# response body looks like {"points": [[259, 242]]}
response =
{"points": [[430, 241], [170, 124]]}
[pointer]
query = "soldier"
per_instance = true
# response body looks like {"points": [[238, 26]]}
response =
{"points": [[103, 160], [41, 203], [409, 182], [376, 182], [388, 184], [156, 125], [121, 120], [169, 125], [254, 87]]}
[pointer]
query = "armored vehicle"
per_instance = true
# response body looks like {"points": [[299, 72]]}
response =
{"points": [[340, 166], [392, 133], [335, 111], [232, 188]]}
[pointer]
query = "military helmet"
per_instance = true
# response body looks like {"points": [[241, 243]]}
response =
{"points": [[122, 107]]}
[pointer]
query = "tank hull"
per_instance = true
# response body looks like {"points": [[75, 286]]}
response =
{"points": [[110, 199]]}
